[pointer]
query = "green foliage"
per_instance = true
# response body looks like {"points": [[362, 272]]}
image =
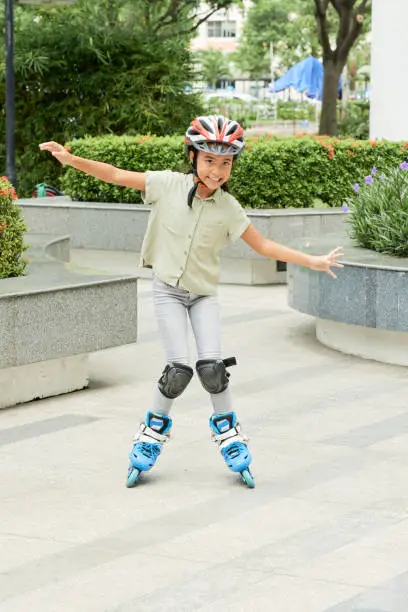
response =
{"points": [[242, 111], [289, 24], [91, 69], [356, 123], [271, 172], [214, 66], [137, 153], [295, 111], [12, 230], [378, 215]]}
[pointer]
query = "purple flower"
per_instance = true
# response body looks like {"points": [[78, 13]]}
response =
{"points": [[356, 187], [369, 179], [404, 166], [345, 208], [382, 177], [374, 171]]}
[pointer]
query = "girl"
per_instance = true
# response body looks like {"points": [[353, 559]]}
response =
{"points": [[192, 218]]}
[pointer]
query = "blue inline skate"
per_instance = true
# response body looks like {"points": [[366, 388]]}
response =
{"points": [[232, 445], [147, 445]]}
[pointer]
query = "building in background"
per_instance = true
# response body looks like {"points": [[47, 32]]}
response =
{"points": [[222, 32]]}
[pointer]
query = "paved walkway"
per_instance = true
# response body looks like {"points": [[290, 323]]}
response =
{"points": [[325, 530]]}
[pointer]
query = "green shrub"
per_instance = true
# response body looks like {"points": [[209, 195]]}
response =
{"points": [[295, 111], [378, 217], [356, 123], [12, 230], [271, 173], [137, 153], [88, 70]]}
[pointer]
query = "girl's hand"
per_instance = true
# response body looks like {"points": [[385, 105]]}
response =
{"points": [[324, 263], [58, 151]]}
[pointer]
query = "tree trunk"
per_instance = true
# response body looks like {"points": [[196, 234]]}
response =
{"points": [[328, 119]]}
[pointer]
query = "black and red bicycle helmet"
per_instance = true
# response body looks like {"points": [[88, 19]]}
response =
{"points": [[213, 134]]}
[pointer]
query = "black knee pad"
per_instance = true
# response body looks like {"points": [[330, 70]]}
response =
{"points": [[213, 373], [174, 379]]}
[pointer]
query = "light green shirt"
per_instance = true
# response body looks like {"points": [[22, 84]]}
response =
{"points": [[183, 244]]}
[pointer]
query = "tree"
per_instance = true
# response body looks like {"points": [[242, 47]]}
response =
{"points": [[95, 68], [350, 21], [166, 17], [288, 24], [214, 66]]}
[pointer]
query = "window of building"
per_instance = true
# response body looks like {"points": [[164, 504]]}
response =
{"points": [[221, 29]]}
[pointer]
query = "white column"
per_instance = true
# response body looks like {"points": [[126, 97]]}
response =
{"points": [[389, 70]]}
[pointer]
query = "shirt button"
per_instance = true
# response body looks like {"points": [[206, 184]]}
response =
{"points": [[185, 252], [190, 236]]}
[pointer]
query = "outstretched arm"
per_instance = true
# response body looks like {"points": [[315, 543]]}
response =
{"points": [[104, 172], [277, 251]]}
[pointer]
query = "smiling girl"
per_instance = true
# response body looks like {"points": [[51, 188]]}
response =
{"points": [[192, 218]]}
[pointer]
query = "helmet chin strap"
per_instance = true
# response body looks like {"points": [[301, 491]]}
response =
{"points": [[194, 188]]}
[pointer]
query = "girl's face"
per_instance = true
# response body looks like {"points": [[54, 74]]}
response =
{"points": [[213, 170]]}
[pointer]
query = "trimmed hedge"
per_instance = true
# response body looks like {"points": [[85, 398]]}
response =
{"points": [[272, 172], [12, 230]]}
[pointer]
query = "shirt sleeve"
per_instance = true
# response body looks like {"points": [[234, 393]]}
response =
{"points": [[157, 183], [238, 221]]}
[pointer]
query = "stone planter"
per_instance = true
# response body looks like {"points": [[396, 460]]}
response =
{"points": [[364, 312], [54, 317]]}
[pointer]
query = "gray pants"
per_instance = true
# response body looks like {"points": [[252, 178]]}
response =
{"points": [[172, 304]]}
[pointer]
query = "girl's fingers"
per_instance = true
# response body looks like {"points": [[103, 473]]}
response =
{"points": [[51, 146]]}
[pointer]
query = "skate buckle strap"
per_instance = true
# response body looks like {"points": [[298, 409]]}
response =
{"points": [[146, 434], [225, 438]]}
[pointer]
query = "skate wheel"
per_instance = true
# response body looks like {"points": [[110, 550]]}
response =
{"points": [[247, 478], [133, 477]]}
